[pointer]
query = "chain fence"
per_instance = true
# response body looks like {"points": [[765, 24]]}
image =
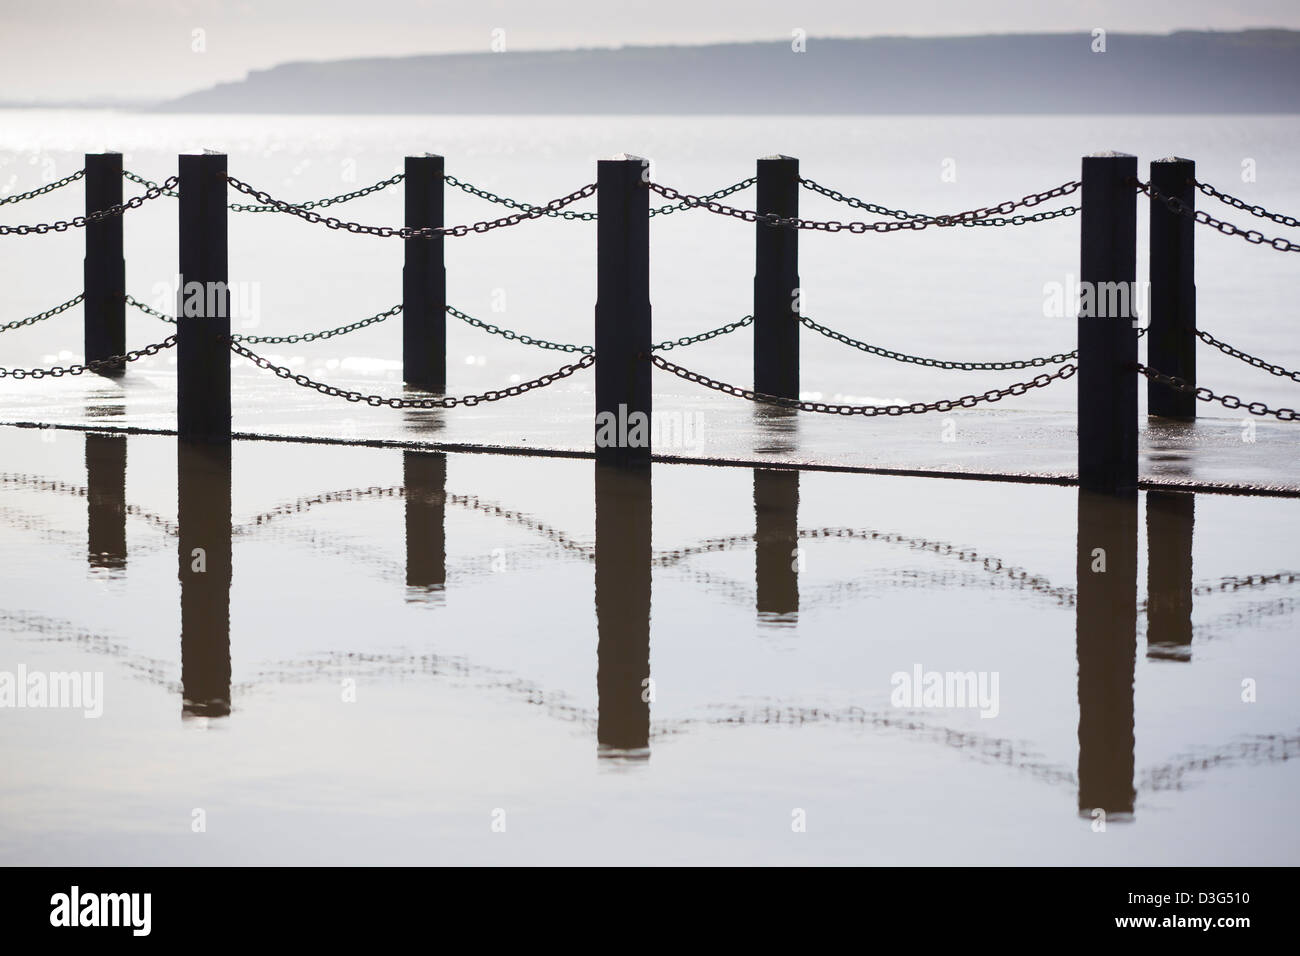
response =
{"points": [[1227, 349], [42, 316], [410, 232], [42, 190], [448, 401], [973, 217], [915, 408], [1254, 210], [1178, 207], [1206, 395], [94, 365], [78, 222], [310, 204]]}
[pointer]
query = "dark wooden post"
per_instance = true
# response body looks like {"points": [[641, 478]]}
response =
{"points": [[205, 569], [623, 574], [106, 504], [1171, 516], [425, 479], [424, 279], [1171, 339], [1107, 402], [1106, 645], [203, 302], [623, 407], [776, 280], [104, 276], [776, 543]]}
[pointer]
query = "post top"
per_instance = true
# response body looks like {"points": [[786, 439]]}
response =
{"points": [[1110, 154], [1171, 159], [206, 152], [779, 156], [625, 158]]}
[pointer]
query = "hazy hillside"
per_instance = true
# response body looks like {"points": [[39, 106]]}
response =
{"points": [[1255, 71]]}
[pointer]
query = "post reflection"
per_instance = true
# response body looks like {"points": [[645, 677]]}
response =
{"points": [[1170, 517], [106, 504], [776, 536], [425, 480], [1106, 644], [203, 512], [623, 562]]}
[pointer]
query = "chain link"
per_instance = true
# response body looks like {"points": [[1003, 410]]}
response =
{"points": [[1224, 347], [318, 336], [42, 190], [509, 203], [448, 401], [78, 222], [310, 204], [703, 336], [916, 408], [1178, 207], [136, 303], [409, 232], [512, 336], [973, 217], [1236, 203], [1056, 359], [1206, 395], [41, 316], [95, 365]]}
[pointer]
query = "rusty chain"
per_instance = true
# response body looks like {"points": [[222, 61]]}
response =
{"points": [[916, 408], [448, 401], [974, 217], [1227, 349], [1178, 207], [42, 316], [42, 190], [94, 365], [1206, 395], [1236, 203], [77, 222], [409, 232]]}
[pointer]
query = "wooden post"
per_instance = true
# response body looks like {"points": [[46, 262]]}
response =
{"points": [[106, 501], [203, 302], [424, 279], [1171, 339], [623, 574], [1106, 646], [623, 406], [1107, 398], [776, 544], [1171, 516], [776, 280], [104, 270], [205, 569]]}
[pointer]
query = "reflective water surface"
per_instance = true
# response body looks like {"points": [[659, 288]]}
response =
{"points": [[330, 654]]}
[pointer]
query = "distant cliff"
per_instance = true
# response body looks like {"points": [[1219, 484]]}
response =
{"points": [[1253, 71]]}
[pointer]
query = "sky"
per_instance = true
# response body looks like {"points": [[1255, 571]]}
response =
{"points": [[157, 49]]}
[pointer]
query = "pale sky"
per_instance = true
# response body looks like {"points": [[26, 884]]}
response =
{"points": [[143, 49]]}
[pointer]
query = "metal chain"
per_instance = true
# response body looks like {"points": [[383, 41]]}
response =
{"points": [[1224, 347], [703, 336], [94, 365], [78, 222], [136, 303], [916, 408], [513, 336], [1236, 203], [310, 204], [506, 201], [47, 188], [445, 402], [1253, 236], [149, 184], [41, 316], [1206, 395], [315, 336], [973, 217], [408, 232]]}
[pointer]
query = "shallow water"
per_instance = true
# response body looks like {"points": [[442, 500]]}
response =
{"points": [[390, 656]]}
